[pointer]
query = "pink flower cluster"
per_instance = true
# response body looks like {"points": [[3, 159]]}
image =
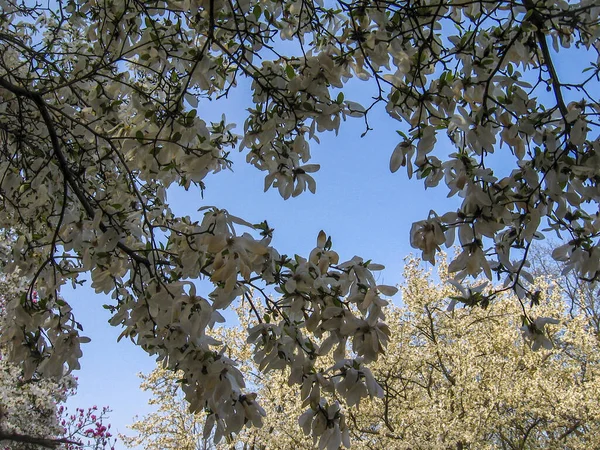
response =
{"points": [[87, 427]]}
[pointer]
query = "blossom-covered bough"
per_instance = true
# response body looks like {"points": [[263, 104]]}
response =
{"points": [[101, 111]]}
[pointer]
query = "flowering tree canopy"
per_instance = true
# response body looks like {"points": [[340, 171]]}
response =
{"points": [[101, 111], [451, 380]]}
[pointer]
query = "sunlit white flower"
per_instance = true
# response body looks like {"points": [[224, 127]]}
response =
{"points": [[535, 333], [427, 235]]}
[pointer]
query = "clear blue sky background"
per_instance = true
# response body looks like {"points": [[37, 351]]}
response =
{"points": [[367, 210]]}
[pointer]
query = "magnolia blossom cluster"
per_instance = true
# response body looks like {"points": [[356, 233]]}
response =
{"points": [[320, 409], [339, 304], [101, 113]]}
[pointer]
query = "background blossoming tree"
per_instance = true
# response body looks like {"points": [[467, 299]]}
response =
{"points": [[32, 416], [101, 111], [451, 379]]}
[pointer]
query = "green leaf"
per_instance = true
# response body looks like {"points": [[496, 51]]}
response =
{"points": [[139, 136], [290, 72]]}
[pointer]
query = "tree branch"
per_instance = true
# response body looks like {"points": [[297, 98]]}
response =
{"points": [[44, 442], [537, 20], [63, 163]]}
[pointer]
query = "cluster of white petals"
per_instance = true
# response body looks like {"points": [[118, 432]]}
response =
{"points": [[534, 332]]}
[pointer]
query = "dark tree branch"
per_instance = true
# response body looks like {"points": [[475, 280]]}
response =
{"points": [[44, 442], [38, 100]]}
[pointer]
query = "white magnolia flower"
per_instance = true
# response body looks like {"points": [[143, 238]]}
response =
{"points": [[535, 334], [427, 235]]}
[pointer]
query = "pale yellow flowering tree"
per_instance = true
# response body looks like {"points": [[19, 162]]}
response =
{"points": [[171, 426], [451, 378], [466, 378]]}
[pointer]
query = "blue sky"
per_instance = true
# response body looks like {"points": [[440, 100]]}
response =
{"points": [[367, 210]]}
